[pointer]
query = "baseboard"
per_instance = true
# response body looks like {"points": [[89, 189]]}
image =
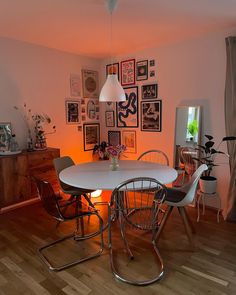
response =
{"points": [[18, 205]]}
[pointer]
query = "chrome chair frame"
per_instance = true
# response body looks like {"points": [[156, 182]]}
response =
{"points": [[121, 207], [151, 152], [59, 216]]}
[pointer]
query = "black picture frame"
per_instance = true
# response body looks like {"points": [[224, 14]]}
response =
{"points": [[113, 137], [142, 70], [127, 112], [127, 69], [151, 116], [113, 69], [91, 135], [150, 91], [110, 118], [73, 112]]}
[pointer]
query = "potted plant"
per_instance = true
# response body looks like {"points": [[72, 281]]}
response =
{"points": [[192, 129], [207, 155]]}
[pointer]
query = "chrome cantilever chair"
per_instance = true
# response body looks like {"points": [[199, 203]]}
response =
{"points": [[186, 156], [179, 198], [74, 192], [136, 204], [155, 156], [61, 164], [55, 208]]}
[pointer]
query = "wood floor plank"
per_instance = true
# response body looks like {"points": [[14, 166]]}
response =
{"points": [[210, 269]]}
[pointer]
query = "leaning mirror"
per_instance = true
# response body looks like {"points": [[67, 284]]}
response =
{"points": [[187, 134]]}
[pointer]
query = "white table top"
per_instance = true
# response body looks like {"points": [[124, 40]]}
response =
{"points": [[98, 175]]}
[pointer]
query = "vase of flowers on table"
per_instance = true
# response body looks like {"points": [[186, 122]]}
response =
{"points": [[114, 153]]}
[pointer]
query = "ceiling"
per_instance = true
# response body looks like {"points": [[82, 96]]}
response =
{"points": [[83, 26]]}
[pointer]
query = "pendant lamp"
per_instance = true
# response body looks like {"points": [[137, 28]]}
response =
{"points": [[112, 91]]}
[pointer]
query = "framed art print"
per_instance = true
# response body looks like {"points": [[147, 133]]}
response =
{"points": [[114, 138], [75, 88], [92, 109], [90, 83], [113, 69], [5, 135], [127, 111], [128, 72], [129, 140], [150, 91], [151, 115], [142, 70], [72, 112], [91, 136], [110, 118]]}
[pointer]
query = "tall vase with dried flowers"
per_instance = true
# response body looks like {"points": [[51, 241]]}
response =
{"points": [[36, 121], [40, 134]]}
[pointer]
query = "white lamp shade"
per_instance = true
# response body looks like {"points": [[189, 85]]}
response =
{"points": [[112, 90]]}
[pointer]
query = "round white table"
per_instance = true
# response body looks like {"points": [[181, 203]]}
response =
{"points": [[98, 175]]}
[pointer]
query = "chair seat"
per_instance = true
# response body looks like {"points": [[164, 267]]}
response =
{"points": [[71, 190], [174, 195], [70, 210]]}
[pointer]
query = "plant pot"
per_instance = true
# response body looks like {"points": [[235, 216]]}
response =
{"points": [[208, 184]]}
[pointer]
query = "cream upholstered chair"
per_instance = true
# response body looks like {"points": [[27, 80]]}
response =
{"points": [[155, 156], [56, 208], [179, 198]]}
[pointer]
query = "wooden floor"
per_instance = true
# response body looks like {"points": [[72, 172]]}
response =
{"points": [[209, 269]]}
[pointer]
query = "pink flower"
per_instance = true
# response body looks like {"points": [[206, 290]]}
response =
{"points": [[115, 151]]}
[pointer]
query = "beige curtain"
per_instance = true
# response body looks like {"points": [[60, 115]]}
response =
{"points": [[230, 123]]}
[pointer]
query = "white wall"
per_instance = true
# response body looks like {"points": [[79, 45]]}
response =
{"points": [[188, 73], [40, 77]]}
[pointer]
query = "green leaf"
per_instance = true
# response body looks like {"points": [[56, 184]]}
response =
{"points": [[227, 138], [209, 137], [209, 144]]}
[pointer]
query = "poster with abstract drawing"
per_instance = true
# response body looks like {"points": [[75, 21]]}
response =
{"points": [[90, 83], [75, 88], [113, 69], [72, 112], [129, 140], [5, 135], [91, 135], [142, 70], [128, 72], [151, 115], [127, 111], [114, 138]]}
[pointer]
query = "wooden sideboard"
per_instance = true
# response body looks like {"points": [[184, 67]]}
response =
{"points": [[16, 185]]}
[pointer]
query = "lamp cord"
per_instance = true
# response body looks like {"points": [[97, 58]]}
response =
{"points": [[111, 41]]}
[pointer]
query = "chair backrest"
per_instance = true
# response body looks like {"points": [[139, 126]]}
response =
{"points": [[190, 188], [186, 157], [139, 200], [61, 164], [155, 156], [48, 198]]}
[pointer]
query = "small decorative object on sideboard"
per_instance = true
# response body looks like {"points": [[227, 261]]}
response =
{"points": [[207, 156]]}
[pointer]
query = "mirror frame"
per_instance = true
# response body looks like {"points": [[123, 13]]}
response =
{"points": [[199, 129]]}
